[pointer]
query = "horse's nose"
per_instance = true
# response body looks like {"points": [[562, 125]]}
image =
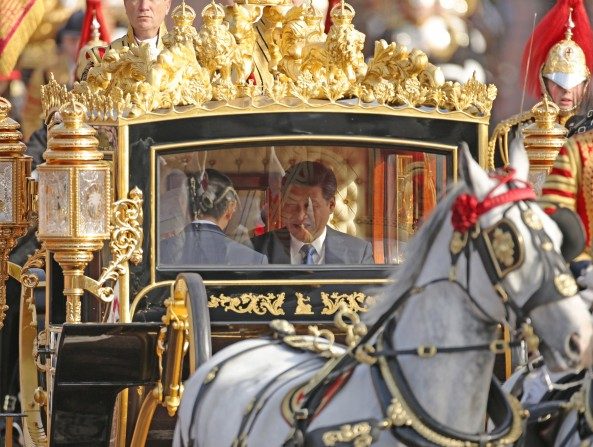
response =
{"points": [[579, 351], [574, 346]]}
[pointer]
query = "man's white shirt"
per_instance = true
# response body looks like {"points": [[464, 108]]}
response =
{"points": [[296, 257]]}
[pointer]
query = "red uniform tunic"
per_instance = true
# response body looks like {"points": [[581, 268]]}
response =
{"points": [[570, 183]]}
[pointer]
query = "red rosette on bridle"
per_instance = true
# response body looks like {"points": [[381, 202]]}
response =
{"points": [[464, 213]]}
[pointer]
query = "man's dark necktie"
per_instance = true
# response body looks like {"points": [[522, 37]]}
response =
{"points": [[308, 251]]}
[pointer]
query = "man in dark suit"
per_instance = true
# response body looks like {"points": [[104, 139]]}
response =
{"points": [[308, 199], [214, 201]]}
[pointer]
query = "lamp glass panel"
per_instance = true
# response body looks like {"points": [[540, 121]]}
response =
{"points": [[54, 203], [6, 192], [92, 197]]}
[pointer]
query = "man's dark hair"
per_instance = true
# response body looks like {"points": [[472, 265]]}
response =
{"points": [[311, 173], [210, 193]]}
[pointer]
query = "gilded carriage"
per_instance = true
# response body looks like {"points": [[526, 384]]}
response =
{"points": [[105, 321]]}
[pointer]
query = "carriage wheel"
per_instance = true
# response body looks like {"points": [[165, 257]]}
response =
{"points": [[187, 321], [200, 347]]}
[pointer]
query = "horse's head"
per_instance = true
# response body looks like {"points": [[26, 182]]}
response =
{"points": [[520, 248]]}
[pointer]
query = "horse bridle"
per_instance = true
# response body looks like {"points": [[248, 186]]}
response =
{"points": [[501, 250], [501, 247]]}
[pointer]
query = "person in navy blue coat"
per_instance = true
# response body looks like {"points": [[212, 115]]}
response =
{"points": [[213, 202]]}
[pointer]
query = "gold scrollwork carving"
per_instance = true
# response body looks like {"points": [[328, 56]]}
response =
{"points": [[125, 243], [249, 303], [355, 302], [36, 260]]}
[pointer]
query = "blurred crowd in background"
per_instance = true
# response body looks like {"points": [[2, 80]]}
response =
{"points": [[485, 37]]}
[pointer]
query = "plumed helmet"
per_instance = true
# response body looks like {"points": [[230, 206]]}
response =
{"points": [[560, 48], [566, 64]]}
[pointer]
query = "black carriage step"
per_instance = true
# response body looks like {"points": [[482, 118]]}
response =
{"points": [[94, 363]]}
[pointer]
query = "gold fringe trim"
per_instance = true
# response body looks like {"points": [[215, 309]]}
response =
{"points": [[20, 37]]}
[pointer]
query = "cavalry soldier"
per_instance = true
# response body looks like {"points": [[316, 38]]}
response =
{"points": [[557, 62], [146, 26]]}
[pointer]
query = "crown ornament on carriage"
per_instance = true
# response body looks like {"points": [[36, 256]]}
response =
{"points": [[219, 62], [183, 15]]}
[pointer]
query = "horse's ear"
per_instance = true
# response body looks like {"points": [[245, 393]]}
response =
{"points": [[472, 173], [518, 158]]}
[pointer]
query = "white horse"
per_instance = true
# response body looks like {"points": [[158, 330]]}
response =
{"points": [[427, 382]]}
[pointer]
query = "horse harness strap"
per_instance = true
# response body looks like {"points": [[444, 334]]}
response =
{"points": [[497, 347], [411, 424], [501, 249]]}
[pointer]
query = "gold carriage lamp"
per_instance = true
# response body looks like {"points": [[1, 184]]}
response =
{"points": [[543, 139], [15, 202], [74, 200]]}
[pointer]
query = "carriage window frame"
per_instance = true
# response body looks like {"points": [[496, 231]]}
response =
{"points": [[450, 152]]}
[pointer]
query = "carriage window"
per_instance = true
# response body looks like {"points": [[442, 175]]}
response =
{"points": [[294, 204]]}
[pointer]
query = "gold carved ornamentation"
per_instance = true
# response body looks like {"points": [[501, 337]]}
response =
{"points": [[173, 339], [358, 435], [30, 363], [566, 285], [74, 193], [15, 208], [303, 305], [355, 302], [36, 260], [500, 137], [503, 247], [293, 57], [241, 20], [249, 303], [125, 242], [176, 322], [215, 48]]}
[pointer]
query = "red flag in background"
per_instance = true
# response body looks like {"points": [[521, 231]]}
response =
{"points": [[18, 21], [93, 10]]}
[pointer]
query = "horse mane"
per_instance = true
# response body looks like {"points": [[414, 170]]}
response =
{"points": [[405, 275]]}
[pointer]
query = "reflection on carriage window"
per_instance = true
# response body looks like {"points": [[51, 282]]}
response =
{"points": [[294, 204]]}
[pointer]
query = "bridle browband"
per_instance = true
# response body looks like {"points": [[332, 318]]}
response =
{"points": [[498, 263]]}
